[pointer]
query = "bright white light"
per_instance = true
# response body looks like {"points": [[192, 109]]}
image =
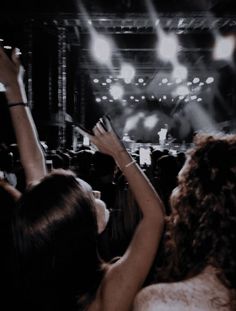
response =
{"points": [[131, 97], [98, 100], [143, 97], [116, 91], [104, 83], [164, 81], [189, 83], [196, 80], [137, 100], [160, 99], [104, 97], [199, 99], [152, 97], [168, 47], [224, 48], [164, 97], [95, 80], [193, 97], [127, 72], [140, 80], [186, 100], [201, 83], [179, 72], [2, 88], [209, 80], [181, 97], [7, 47], [101, 49], [108, 80], [150, 121], [182, 90]]}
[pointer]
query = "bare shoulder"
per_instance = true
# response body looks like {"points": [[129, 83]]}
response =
{"points": [[204, 292]]}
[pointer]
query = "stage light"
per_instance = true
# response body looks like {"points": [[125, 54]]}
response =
{"points": [[127, 72], [104, 97], [179, 72], [181, 97], [201, 83], [104, 83], [164, 97], [224, 48], [95, 80], [199, 99], [131, 97], [167, 47], [140, 80], [164, 81], [116, 91], [193, 97], [98, 100], [209, 80], [196, 80], [182, 90], [108, 80], [150, 121], [101, 49], [189, 83], [143, 97], [152, 97]]}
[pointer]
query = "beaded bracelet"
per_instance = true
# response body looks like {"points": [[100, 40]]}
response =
{"points": [[17, 104]]}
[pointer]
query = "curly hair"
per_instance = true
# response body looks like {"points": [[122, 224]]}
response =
{"points": [[201, 229]]}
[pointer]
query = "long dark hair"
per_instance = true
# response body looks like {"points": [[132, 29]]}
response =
{"points": [[55, 233], [201, 229]]}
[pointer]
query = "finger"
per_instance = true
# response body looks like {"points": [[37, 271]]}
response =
{"points": [[100, 127], [107, 123], [84, 133], [15, 56], [96, 131], [101, 121]]}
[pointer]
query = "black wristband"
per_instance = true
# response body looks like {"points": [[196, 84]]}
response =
{"points": [[17, 104]]}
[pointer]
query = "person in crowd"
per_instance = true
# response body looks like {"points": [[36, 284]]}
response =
{"points": [[197, 268], [55, 227]]}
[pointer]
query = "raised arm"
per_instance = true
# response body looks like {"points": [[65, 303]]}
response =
{"points": [[127, 275], [31, 155]]}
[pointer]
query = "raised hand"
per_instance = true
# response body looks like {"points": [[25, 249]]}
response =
{"points": [[11, 71], [104, 137]]}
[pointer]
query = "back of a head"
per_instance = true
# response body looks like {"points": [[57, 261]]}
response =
{"points": [[205, 206], [55, 233]]}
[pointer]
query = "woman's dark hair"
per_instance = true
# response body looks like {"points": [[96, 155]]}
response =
{"points": [[55, 232], [201, 229]]}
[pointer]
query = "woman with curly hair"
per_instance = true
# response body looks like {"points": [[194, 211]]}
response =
{"points": [[197, 265]]}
